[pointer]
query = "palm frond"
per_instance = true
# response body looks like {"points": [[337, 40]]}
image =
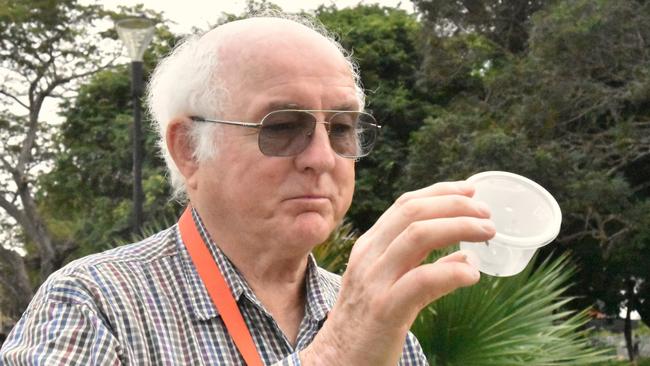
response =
{"points": [[333, 254], [518, 320], [148, 229]]}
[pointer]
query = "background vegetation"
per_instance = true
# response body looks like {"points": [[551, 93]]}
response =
{"points": [[556, 90]]}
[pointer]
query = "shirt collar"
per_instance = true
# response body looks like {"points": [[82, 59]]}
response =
{"points": [[320, 294], [202, 305]]}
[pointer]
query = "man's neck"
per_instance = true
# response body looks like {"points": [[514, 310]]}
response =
{"points": [[278, 284], [275, 274]]}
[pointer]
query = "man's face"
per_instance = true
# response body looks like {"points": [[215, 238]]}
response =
{"points": [[291, 202]]}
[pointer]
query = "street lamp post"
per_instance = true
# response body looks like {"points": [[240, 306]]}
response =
{"points": [[136, 34]]}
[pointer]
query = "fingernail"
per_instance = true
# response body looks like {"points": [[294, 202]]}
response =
{"points": [[465, 186], [477, 274], [483, 208], [472, 259], [488, 227]]}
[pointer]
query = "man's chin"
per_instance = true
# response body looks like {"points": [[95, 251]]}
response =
{"points": [[311, 228]]}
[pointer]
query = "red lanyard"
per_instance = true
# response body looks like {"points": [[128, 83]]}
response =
{"points": [[218, 289]]}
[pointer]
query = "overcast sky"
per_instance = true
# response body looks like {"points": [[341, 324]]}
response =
{"points": [[200, 13]]}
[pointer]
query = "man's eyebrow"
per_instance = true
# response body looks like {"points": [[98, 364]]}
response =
{"points": [[275, 106], [346, 107]]}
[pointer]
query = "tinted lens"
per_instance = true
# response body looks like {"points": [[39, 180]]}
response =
{"points": [[353, 134], [286, 133]]}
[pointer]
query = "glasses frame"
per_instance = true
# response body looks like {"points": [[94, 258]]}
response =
{"points": [[259, 125]]}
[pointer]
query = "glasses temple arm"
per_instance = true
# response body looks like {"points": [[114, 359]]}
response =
{"points": [[232, 123]]}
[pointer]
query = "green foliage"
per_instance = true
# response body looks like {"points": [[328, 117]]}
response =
{"points": [[568, 110], [46, 48], [42, 28], [334, 253], [87, 195], [92, 169], [384, 42], [554, 90], [500, 321], [503, 22], [520, 320]]}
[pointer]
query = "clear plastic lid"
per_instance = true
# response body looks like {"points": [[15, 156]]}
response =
{"points": [[524, 213]]}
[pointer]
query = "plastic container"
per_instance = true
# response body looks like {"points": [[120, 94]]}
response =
{"points": [[526, 218]]}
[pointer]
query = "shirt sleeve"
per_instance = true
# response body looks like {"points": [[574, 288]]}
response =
{"points": [[412, 354], [56, 333]]}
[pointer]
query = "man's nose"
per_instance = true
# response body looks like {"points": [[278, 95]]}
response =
{"points": [[318, 155]]}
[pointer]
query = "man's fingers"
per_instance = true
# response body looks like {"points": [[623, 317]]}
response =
{"points": [[385, 286], [420, 238], [460, 188], [407, 212], [429, 282], [457, 256]]}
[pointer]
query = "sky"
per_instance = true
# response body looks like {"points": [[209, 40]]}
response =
{"points": [[201, 13]]}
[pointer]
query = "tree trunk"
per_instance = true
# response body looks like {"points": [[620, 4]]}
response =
{"points": [[627, 330], [36, 230], [16, 288]]}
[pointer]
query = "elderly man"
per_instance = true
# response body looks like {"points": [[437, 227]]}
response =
{"points": [[261, 123]]}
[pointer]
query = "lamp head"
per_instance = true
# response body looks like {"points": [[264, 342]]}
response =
{"points": [[136, 34]]}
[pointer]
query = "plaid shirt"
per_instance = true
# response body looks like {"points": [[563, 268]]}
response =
{"points": [[145, 304]]}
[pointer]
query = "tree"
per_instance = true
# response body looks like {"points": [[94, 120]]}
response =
{"points": [[569, 111], [384, 42], [593, 70], [45, 45], [504, 23], [481, 117], [87, 194]]}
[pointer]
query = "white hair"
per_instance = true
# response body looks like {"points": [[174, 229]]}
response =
{"points": [[187, 83]]}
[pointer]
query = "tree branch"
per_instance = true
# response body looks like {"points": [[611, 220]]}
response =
{"points": [[35, 107], [18, 284], [578, 235], [3, 92], [640, 187], [14, 212], [9, 167]]}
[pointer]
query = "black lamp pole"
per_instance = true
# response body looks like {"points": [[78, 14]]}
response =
{"points": [[138, 196], [136, 34]]}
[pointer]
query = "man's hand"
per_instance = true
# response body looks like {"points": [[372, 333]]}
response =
{"points": [[385, 285]]}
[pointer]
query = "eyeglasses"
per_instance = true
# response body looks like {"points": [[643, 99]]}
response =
{"points": [[288, 132]]}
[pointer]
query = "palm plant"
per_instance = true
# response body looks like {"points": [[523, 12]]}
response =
{"points": [[518, 320], [334, 253]]}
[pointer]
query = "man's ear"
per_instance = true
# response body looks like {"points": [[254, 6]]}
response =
{"points": [[181, 148]]}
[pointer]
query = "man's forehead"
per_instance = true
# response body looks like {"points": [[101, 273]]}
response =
{"points": [[259, 52], [239, 33]]}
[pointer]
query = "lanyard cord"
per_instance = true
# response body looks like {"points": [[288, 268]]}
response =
{"points": [[218, 289]]}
